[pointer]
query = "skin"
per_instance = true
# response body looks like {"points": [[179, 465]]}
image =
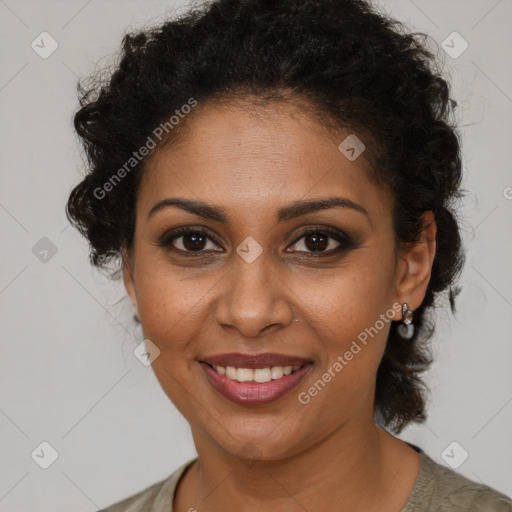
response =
{"points": [[251, 162]]}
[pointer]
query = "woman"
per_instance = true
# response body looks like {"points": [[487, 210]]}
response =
{"points": [[278, 181]]}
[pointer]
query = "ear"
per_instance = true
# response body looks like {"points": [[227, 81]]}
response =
{"points": [[128, 279], [414, 265]]}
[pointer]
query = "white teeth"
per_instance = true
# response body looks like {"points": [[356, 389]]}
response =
{"points": [[231, 372], [276, 372], [244, 374], [260, 375]]}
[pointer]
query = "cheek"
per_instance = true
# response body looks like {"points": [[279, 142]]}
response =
{"points": [[351, 325], [350, 315], [351, 299], [170, 309], [170, 312]]}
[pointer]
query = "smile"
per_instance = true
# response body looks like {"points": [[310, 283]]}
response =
{"points": [[259, 375], [254, 386]]}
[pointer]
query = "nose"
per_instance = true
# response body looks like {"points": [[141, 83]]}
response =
{"points": [[254, 298]]}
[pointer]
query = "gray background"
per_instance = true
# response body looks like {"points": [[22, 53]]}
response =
{"points": [[68, 374]]}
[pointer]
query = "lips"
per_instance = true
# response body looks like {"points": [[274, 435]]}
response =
{"points": [[253, 393], [254, 361]]}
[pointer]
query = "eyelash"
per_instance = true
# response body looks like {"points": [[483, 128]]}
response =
{"points": [[346, 243]]}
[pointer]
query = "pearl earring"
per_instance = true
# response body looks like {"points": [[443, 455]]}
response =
{"points": [[406, 329]]}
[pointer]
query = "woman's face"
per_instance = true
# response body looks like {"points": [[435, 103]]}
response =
{"points": [[251, 282]]}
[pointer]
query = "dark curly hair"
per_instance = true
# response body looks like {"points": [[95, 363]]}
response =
{"points": [[356, 68]]}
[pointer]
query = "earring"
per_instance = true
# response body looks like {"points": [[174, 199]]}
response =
{"points": [[136, 318], [406, 329]]}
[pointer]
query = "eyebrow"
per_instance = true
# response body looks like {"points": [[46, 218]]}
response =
{"points": [[296, 209]]}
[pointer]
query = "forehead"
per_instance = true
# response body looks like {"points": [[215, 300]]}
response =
{"points": [[242, 155]]}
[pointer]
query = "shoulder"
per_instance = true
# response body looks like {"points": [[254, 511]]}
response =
{"points": [[156, 498], [441, 489], [143, 500]]}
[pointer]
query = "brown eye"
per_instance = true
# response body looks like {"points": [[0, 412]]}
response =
{"points": [[194, 241], [316, 242], [188, 240], [322, 242]]}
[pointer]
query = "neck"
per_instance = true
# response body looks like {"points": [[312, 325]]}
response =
{"points": [[352, 469]]}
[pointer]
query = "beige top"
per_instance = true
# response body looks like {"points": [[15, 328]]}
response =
{"points": [[437, 489]]}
